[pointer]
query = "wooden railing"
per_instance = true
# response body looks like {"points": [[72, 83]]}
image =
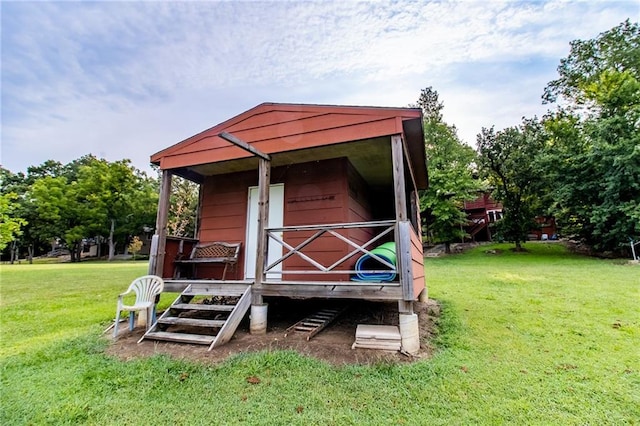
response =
{"points": [[385, 232]]}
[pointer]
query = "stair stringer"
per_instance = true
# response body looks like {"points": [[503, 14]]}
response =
{"points": [[229, 328]]}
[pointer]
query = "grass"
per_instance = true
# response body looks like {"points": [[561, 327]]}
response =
{"points": [[542, 337]]}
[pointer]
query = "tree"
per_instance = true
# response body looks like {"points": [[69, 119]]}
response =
{"points": [[616, 51], [63, 213], [135, 246], [508, 159], [9, 224], [185, 196], [450, 172], [93, 197], [117, 194], [592, 155]]}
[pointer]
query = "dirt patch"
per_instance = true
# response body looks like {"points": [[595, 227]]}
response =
{"points": [[332, 345]]}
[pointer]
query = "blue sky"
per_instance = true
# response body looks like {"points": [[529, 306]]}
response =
{"points": [[127, 79]]}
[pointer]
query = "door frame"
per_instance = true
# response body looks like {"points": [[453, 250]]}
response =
{"points": [[275, 220]]}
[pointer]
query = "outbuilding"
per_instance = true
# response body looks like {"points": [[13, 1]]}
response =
{"points": [[306, 195]]}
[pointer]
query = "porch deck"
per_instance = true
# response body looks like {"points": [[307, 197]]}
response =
{"points": [[308, 277], [374, 291]]}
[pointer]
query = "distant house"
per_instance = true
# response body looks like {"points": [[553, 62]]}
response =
{"points": [[482, 213], [306, 190], [546, 230]]}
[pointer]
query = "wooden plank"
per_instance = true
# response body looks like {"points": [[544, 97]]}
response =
{"points": [[236, 316], [264, 182], [153, 255], [304, 125], [377, 345], [161, 221], [197, 339], [202, 307], [207, 260], [350, 284], [214, 291], [268, 118], [377, 332], [417, 255], [328, 226], [193, 322], [403, 256], [242, 144], [379, 292]]}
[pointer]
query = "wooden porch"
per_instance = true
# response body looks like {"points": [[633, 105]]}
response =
{"points": [[282, 277]]}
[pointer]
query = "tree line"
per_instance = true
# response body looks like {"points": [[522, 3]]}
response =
{"points": [[580, 162], [88, 198]]}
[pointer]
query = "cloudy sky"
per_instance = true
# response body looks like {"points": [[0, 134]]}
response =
{"points": [[127, 79]]}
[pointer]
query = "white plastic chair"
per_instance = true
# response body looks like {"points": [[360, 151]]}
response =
{"points": [[146, 289]]}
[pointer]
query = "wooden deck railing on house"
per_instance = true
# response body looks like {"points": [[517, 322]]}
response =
{"points": [[326, 278], [310, 234], [341, 266]]}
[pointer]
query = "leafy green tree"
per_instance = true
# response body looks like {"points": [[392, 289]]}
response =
{"points": [[63, 213], [119, 199], [450, 169], [37, 233], [9, 224], [508, 160], [593, 151], [91, 197]]}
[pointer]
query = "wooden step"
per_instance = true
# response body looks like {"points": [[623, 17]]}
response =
{"points": [[194, 322], [197, 339], [213, 292], [202, 307], [218, 331], [214, 289], [179, 285]]}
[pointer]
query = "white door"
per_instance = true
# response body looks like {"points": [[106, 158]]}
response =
{"points": [[276, 215]]}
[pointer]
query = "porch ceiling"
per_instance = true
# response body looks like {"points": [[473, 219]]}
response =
{"points": [[370, 157]]}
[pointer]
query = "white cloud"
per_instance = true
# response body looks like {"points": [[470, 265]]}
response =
{"points": [[129, 78]]}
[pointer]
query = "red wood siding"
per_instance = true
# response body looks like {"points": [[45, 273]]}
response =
{"points": [[358, 210], [172, 251], [274, 128], [223, 216], [483, 202], [417, 264], [315, 194]]}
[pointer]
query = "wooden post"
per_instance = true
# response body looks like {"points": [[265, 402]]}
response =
{"points": [[404, 261], [258, 320], [397, 157], [161, 221], [264, 181], [403, 238]]}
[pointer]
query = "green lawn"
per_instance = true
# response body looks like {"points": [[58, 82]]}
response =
{"points": [[542, 337]]}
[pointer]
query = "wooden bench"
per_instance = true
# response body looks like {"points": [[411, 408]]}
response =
{"points": [[210, 253]]}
